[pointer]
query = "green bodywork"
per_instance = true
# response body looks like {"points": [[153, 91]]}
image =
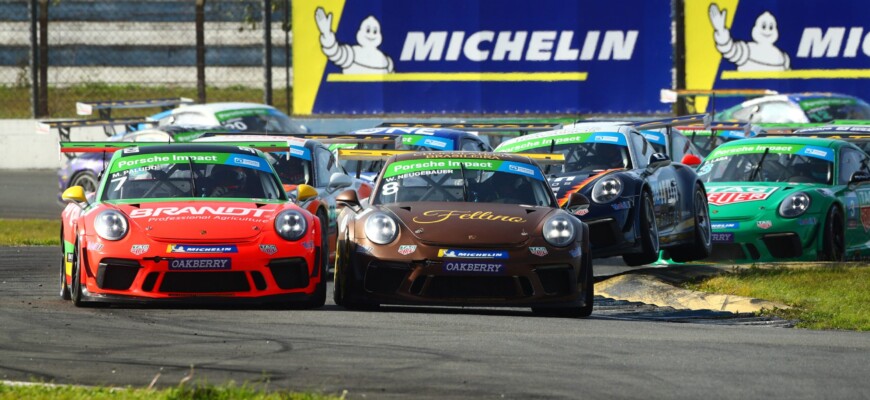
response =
{"points": [[745, 217]]}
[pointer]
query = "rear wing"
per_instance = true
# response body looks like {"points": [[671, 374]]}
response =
{"points": [[325, 138], [495, 129], [379, 155], [109, 147], [104, 108], [671, 96], [693, 119], [64, 128]]}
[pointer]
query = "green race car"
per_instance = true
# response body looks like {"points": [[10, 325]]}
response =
{"points": [[792, 198]]}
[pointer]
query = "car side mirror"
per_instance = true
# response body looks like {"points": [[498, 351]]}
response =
{"points": [[339, 180], [691, 160], [348, 198], [75, 194], [305, 192], [857, 177], [577, 204], [658, 160]]}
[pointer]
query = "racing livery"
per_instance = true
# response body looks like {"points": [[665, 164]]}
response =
{"points": [[189, 222], [810, 107], [641, 201], [792, 198], [462, 228]]}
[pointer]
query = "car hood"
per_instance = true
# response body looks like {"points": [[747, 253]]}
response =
{"points": [[469, 224], [749, 200], [201, 221]]}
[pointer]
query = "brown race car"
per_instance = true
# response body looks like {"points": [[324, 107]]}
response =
{"points": [[462, 228]]}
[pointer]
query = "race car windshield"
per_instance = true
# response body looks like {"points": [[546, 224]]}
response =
{"points": [[160, 176], [352, 166], [827, 113], [293, 170], [588, 157], [772, 167], [707, 143], [466, 184]]}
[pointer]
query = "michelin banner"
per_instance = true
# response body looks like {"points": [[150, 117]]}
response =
{"points": [[480, 56], [783, 45]]}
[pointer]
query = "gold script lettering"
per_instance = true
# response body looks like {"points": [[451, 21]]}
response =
{"points": [[436, 216]]}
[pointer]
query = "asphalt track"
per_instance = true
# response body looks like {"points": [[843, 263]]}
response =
{"points": [[625, 350]]}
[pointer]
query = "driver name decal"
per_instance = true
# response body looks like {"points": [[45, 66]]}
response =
{"points": [[436, 216]]}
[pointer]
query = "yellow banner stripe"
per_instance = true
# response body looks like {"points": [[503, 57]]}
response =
{"points": [[799, 74], [460, 77]]}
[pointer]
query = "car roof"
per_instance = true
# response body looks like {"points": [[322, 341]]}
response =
{"points": [[437, 132], [188, 148], [821, 142]]}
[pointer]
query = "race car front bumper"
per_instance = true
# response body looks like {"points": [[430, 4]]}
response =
{"points": [[773, 239]]}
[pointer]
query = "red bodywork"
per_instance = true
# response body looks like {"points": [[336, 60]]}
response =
{"points": [[228, 249]]}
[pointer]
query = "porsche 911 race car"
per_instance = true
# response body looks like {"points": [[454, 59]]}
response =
{"points": [[248, 117], [462, 228], [788, 198], [189, 222], [641, 201]]}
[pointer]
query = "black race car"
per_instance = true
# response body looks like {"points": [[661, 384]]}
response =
{"points": [[641, 200]]}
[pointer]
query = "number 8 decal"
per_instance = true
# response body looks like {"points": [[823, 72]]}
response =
{"points": [[390, 188]]}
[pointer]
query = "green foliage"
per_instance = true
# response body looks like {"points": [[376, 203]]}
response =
{"points": [[829, 297], [30, 232], [228, 391]]}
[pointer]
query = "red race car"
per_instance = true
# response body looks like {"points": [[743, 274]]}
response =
{"points": [[189, 222]]}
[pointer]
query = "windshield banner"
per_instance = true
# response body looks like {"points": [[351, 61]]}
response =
{"points": [[801, 150], [450, 165], [550, 139]]}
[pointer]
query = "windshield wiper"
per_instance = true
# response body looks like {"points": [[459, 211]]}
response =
{"points": [[758, 167], [464, 185]]}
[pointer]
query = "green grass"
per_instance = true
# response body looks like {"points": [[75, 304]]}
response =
{"points": [[821, 297], [183, 392], [62, 101], [29, 232]]}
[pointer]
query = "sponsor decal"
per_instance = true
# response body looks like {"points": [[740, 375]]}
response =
{"points": [[808, 221], [474, 266], [139, 249], [538, 251], [476, 254], [764, 224], [308, 244], [131, 150], [437, 216], [717, 226], [623, 205], [654, 137], [201, 264], [95, 246], [443, 165], [406, 249], [269, 248], [189, 248], [719, 237], [581, 212], [246, 161], [724, 195], [561, 137], [575, 252], [69, 257], [203, 210]]}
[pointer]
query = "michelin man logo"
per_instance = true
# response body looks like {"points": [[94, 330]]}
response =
{"points": [[758, 55], [365, 57]]}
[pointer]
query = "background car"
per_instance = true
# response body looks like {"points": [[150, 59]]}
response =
{"points": [[308, 162], [797, 108], [858, 135], [460, 228], [251, 117], [189, 223], [788, 198], [641, 201]]}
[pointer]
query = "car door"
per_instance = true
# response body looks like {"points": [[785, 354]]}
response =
{"points": [[662, 182], [855, 197]]}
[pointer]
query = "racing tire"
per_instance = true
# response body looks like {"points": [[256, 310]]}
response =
{"points": [[834, 239], [85, 179], [702, 245], [649, 235], [588, 296], [76, 294], [64, 288]]}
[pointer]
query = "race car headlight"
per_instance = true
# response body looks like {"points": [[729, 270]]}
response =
{"points": [[381, 229], [559, 231], [794, 205], [291, 225], [607, 189], [111, 225]]}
